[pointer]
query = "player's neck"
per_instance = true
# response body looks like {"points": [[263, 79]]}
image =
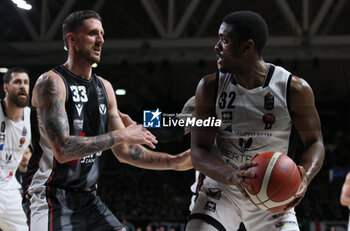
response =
{"points": [[79, 67], [12, 112], [253, 74]]}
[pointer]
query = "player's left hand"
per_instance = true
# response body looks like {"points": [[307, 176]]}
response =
{"points": [[182, 161], [127, 121], [302, 190]]}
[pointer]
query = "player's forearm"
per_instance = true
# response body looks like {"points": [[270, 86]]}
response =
{"points": [[211, 166], [312, 159], [75, 147], [141, 157]]}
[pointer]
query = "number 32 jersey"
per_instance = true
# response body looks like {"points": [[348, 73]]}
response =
{"points": [[253, 120]]}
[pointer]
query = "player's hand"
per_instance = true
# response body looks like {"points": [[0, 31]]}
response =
{"points": [[137, 134], [243, 171], [127, 121], [302, 190], [182, 161]]}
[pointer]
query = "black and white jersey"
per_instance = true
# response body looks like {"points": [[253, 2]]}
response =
{"points": [[87, 109], [253, 120]]}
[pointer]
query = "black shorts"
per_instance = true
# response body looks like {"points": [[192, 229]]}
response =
{"points": [[64, 210]]}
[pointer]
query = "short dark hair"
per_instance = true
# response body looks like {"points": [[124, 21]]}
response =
{"points": [[7, 75], [249, 25], [76, 19]]}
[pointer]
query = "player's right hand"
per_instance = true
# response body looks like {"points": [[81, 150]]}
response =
{"points": [[137, 134]]}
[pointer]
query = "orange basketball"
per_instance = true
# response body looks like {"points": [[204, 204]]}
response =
{"points": [[276, 182]]}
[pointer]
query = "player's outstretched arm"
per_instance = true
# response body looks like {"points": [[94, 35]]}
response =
{"points": [[49, 95], [137, 155], [307, 122], [202, 139], [345, 192]]}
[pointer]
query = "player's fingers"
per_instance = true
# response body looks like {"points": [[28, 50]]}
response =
{"points": [[246, 173], [247, 165]]}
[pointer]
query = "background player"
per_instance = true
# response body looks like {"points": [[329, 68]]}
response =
{"points": [[15, 136], [77, 118], [258, 103]]}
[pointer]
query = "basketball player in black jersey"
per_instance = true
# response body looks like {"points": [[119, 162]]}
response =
{"points": [[77, 118], [246, 79]]}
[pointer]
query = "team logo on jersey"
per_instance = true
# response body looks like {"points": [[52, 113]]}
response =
{"points": [[269, 119], [214, 193], [3, 126], [79, 108], [226, 116], [210, 206], [102, 109], [151, 118], [22, 141], [269, 102], [24, 131]]}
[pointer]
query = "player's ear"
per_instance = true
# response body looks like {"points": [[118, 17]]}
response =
{"points": [[248, 46], [71, 37], [4, 87]]}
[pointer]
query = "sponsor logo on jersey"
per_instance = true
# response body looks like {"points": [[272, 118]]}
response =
{"points": [[2, 137], [269, 101], [24, 131], [91, 158], [100, 95], [245, 144], [78, 124], [226, 116], [210, 206], [102, 109], [214, 193], [269, 119], [8, 158], [151, 118], [22, 141]]}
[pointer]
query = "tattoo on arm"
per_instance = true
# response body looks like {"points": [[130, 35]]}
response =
{"points": [[137, 153], [115, 116], [55, 121]]}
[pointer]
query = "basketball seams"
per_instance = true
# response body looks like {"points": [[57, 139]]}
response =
{"points": [[285, 183], [266, 180], [261, 197]]}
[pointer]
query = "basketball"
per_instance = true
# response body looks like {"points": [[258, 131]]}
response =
{"points": [[276, 181]]}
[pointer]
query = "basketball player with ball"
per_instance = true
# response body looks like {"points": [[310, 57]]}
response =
{"points": [[258, 103]]}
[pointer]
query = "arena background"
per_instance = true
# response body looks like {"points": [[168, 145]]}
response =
{"points": [[157, 50]]}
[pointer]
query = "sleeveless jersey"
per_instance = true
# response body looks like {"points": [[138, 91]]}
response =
{"points": [[14, 139], [86, 106], [254, 120]]}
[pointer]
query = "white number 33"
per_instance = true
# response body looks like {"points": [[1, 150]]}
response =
{"points": [[79, 94]]}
